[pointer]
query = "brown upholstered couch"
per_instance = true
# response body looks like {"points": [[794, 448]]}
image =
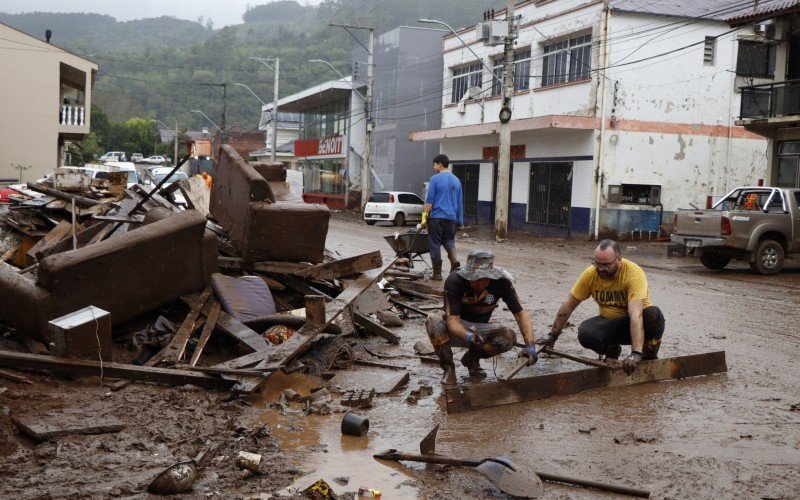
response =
{"points": [[145, 268], [264, 220]]}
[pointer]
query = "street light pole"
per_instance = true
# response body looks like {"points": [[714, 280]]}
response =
{"points": [[366, 164], [277, 71]]}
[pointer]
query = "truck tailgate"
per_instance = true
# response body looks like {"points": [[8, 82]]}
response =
{"points": [[704, 223]]}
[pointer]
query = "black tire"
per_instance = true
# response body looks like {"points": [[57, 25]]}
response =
{"points": [[399, 219], [768, 257], [370, 222], [714, 260]]}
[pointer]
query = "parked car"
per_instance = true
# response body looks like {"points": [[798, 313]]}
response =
{"points": [[137, 157], [755, 223], [154, 175], [156, 160], [113, 156], [395, 206]]}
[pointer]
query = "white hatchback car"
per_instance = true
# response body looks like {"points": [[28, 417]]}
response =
{"points": [[395, 206]]}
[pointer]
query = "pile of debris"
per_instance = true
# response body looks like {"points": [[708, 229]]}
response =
{"points": [[83, 267]]}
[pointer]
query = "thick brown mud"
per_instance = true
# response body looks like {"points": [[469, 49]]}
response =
{"points": [[735, 435]]}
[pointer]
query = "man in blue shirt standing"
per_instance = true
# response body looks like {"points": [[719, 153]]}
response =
{"points": [[443, 213]]}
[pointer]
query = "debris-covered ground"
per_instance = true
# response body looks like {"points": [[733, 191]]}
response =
{"points": [[733, 435]]}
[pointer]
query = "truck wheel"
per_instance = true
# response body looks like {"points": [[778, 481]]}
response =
{"points": [[768, 257], [714, 260]]}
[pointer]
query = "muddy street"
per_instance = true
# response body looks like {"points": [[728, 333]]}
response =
{"points": [[735, 435]]}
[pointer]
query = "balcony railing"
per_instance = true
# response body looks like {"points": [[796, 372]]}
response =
{"points": [[72, 115], [771, 100]]}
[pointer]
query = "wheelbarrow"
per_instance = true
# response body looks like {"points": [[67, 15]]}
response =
{"points": [[410, 245]]}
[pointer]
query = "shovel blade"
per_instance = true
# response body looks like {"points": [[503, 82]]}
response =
{"points": [[515, 481]]}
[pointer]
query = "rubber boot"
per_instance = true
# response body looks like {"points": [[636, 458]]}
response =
{"points": [[437, 270], [472, 360], [445, 353], [453, 258], [651, 348]]}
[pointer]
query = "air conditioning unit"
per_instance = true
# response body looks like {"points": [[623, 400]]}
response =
{"points": [[774, 31]]}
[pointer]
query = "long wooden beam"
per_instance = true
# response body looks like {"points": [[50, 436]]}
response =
{"points": [[476, 396], [86, 368], [343, 267]]}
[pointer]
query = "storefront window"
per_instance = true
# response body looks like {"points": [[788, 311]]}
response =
{"points": [[326, 120], [324, 176]]}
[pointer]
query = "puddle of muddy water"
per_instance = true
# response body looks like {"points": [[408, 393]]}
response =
{"points": [[327, 454]]}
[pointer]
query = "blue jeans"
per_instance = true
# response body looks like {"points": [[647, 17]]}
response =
{"points": [[441, 232]]}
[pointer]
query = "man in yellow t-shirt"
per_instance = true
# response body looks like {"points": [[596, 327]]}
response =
{"points": [[627, 316]]}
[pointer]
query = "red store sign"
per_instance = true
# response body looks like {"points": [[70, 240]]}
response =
{"points": [[321, 146], [493, 152]]}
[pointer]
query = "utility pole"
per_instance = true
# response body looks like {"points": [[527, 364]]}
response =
{"points": [[504, 157], [277, 71], [224, 109], [175, 158], [366, 166]]}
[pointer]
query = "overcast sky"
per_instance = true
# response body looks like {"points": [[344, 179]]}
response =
{"points": [[222, 12]]}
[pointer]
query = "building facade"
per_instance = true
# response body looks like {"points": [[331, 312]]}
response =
{"points": [[46, 101], [768, 76], [407, 73], [621, 113]]}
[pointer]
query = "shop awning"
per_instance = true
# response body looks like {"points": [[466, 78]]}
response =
{"points": [[536, 123]]}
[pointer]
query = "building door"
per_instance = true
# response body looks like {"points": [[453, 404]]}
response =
{"points": [[469, 175], [550, 194], [793, 57]]}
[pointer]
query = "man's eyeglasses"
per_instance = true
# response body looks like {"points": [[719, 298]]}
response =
{"points": [[604, 265]]}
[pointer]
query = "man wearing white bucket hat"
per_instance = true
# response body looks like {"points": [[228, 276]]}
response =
{"points": [[471, 294]]}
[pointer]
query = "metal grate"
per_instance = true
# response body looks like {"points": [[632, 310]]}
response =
{"points": [[550, 194]]}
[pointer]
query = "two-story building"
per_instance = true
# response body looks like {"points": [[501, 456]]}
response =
{"points": [[288, 131], [768, 75], [621, 112], [46, 100]]}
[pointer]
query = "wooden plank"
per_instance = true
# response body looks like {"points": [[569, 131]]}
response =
{"points": [[343, 267], [173, 352], [235, 328], [134, 219], [80, 200], [197, 194], [211, 322], [375, 328], [58, 233], [41, 428], [90, 368], [15, 377], [243, 361], [298, 343], [263, 267], [83, 238], [476, 396]]}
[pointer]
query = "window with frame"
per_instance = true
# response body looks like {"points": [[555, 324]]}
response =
{"points": [[464, 78], [567, 61], [755, 59], [522, 72]]}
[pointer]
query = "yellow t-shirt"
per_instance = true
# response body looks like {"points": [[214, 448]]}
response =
{"points": [[612, 295]]}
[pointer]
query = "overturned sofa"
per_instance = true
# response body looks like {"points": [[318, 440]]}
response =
{"points": [[171, 255], [264, 220]]}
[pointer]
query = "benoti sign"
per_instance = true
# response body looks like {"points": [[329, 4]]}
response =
{"points": [[493, 152], [322, 146]]}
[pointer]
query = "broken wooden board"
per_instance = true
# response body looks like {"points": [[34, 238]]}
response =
{"points": [[211, 323], [476, 396], [196, 192], [419, 290], [58, 233], [173, 352], [233, 327], [374, 328], [262, 267], [298, 343], [42, 427], [343, 267], [87, 368], [381, 381], [83, 237], [371, 301]]}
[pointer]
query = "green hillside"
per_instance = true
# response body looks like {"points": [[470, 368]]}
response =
{"points": [[163, 67]]}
